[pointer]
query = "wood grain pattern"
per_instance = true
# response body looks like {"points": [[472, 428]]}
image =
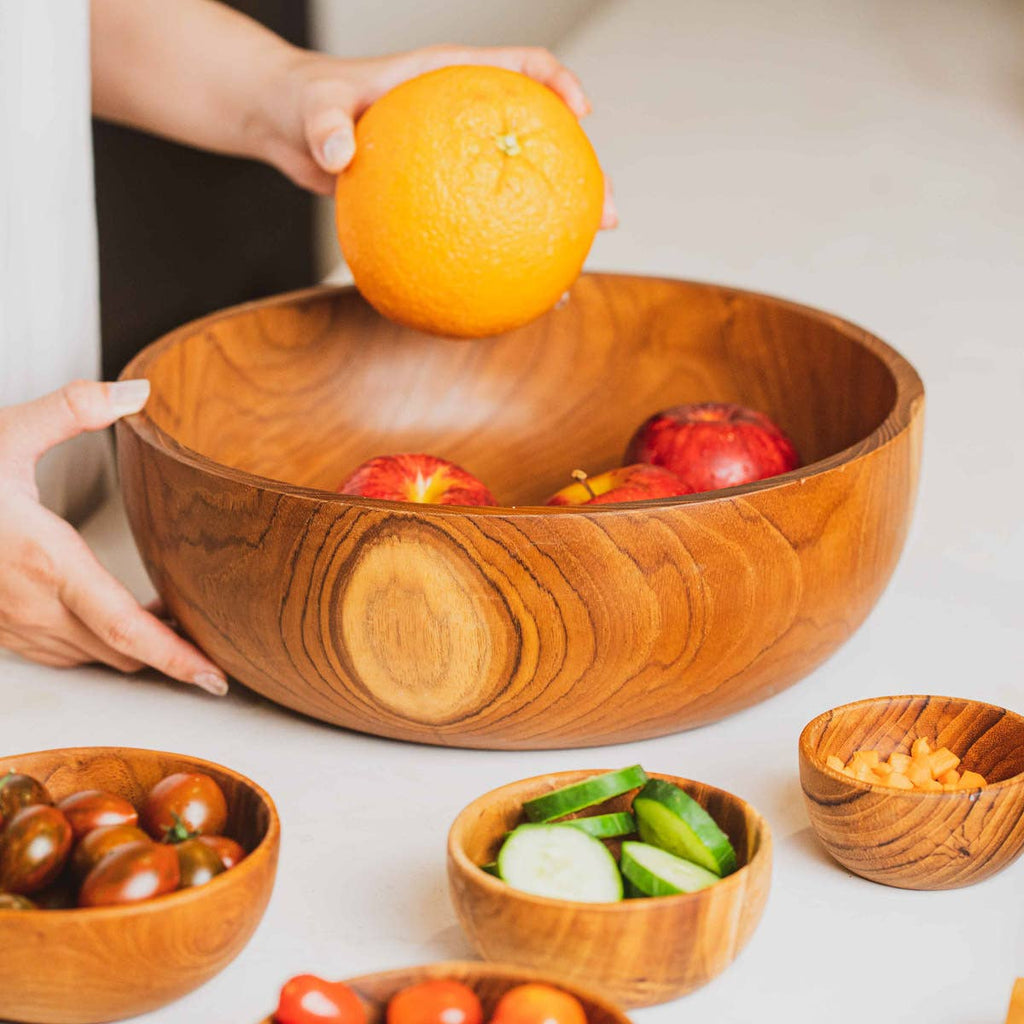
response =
{"points": [[911, 839], [638, 952], [86, 966], [489, 981], [522, 626]]}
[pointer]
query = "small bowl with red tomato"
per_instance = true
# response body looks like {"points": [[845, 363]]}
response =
{"points": [[127, 879], [443, 993]]}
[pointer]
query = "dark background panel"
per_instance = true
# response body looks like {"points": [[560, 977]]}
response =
{"points": [[183, 233]]}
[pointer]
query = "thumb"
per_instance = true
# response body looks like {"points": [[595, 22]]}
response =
{"points": [[330, 134], [29, 430]]}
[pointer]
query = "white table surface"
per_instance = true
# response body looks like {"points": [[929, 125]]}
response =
{"points": [[865, 157]]}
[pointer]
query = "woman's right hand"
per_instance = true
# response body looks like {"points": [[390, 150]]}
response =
{"points": [[58, 605]]}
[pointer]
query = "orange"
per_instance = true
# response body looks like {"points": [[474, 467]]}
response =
{"points": [[471, 203]]}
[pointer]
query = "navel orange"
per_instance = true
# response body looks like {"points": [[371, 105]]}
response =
{"points": [[471, 203]]}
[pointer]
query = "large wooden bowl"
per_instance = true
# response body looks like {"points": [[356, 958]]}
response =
{"points": [[489, 981], [638, 952], [522, 626], [103, 964], [906, 838]]}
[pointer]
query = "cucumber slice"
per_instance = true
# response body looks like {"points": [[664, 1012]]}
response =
{"points": [[584, 794], [668, 818], [604, 826], [491, 868], [560, 862], [657, 873]]}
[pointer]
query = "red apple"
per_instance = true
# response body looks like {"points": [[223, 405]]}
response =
{"points": [[713, 445], [630, 483], [421, 478]]}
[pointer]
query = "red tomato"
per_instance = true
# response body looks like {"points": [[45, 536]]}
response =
{"points": [[18, 791], [308, 999], [436, 1002], [538, 1004], [198, 863], [33, 848], [184, 805], [129, 874], [92, 848], [228, 850], [92, 808]]}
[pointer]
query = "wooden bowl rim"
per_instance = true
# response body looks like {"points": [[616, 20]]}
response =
{"points": [[909, 396], [244, 869], [485, 969], [809, 753], [624, 906]]}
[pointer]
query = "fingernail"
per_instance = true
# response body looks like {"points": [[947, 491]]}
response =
{"points": [[339, 150], [211, 683], [128, 396]]}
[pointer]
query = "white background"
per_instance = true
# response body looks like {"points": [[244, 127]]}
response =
{"points": [[866, 156]]}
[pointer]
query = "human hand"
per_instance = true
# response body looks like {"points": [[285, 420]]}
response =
{"points": [[314, 100], [58, 605]]}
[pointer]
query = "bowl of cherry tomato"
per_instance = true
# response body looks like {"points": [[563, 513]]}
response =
{"points": [[127, 879], [444, 993]]}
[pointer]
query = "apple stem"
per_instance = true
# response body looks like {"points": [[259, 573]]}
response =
{"points": [[578, 474]]}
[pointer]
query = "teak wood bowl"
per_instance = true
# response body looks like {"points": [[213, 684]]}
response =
{"points": [[520, 626], [912, 839], [489, 981], [638, 952], [84, 966]]}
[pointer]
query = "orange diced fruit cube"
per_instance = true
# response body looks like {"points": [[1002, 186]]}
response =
{"points": [[942, 761], [898, 781], [868, 757], [920, 747], [919, 772], [835, 762], [930, 786], [882, 769], [971, 780], [950, 778], [899, 762]]}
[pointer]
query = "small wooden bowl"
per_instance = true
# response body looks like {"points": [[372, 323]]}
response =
{"points": [[910, 839], [520, 626], [640, 951], [489, 981], [85, 966]]}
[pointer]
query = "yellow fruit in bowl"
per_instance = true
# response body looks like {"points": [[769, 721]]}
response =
{"points": [[471, 203]]}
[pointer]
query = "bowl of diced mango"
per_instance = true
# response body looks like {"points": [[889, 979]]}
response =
{"points": [[918, 792]]}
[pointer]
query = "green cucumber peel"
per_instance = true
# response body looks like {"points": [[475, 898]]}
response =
{"points": [[604, 826], [655, 872], [581, 795], [669, 818]]}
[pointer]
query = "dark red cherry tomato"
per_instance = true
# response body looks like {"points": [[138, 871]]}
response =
{"points": [[228, 850], [129, 874], [184, 805], [436, 1002], [8, 901], [197, 863], [17, 791], [311, 1000], [538, 1004], [92, 808], [33, 849], [94, 846]]}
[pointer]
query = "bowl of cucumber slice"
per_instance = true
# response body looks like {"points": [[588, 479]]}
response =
{"points": [[640, 885]]}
